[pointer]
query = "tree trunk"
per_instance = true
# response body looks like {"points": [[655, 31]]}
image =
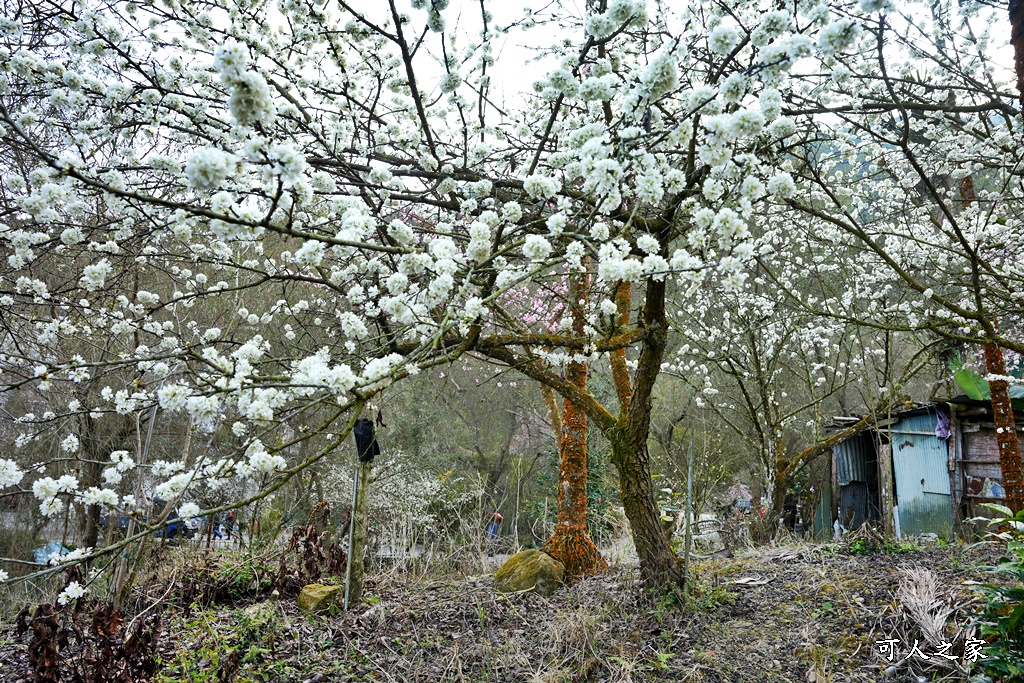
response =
{"points": [[776, 507], [659, 566], [1006, 429], [1016, 8], [999, 389], [571, 545]]}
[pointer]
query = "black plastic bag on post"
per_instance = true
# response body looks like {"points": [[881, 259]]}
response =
{"points": [[366, 441]]}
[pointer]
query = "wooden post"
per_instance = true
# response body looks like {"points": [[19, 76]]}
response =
{"points": [[954, 449], [833, 484], [885, 487], [689, 510], [358, 533]]}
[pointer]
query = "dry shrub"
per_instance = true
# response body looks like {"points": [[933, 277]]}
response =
{"points": [[68, 645]]}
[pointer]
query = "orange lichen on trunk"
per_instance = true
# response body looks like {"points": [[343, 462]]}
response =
{"points": [[1006, 429], [571, 545], [999, 389]]}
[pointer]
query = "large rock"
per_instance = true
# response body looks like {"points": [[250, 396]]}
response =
{"points": [[317, 598], [529, 569]]}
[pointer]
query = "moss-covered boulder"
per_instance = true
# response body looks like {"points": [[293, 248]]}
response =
{"points": [[529, 569], [317, 598]]}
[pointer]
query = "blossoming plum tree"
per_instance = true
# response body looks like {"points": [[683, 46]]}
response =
{"points": [[246, 221], [921, 171]]}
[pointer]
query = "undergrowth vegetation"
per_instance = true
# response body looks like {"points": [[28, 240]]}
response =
{"points": [[1001, 617]]}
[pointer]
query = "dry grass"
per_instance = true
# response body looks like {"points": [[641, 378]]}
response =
{"points": [[806, 613]]}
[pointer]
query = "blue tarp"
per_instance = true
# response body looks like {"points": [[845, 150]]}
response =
{"points": [[43, 553]]}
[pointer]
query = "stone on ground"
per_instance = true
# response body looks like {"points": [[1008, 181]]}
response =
{"points": [[529, 569], [317, 598]]}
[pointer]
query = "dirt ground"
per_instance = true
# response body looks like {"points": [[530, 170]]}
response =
{"points": [[804, 613]]}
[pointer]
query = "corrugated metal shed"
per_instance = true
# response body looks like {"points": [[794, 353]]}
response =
{"points": [[822, 528], [920, 463], [856, 464], [852, 458]]}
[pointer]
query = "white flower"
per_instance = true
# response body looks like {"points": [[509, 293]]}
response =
{"points": [[3, 576], [67, 484], [250, 100], [401, 232], [73, 591], [441, 248], [772, 25], [608, 307], [287, 161], [451, 82], [752, 187], [661, 75], [261, 461], [747, 122], [874, 5], [782, 127], [352, 326], [172, 397], [556, 223], [723, 39], [51, 507], [188, 511], [541, 187], [511, 212], [69, 444], [648, 244], [98, 496], [205, 410], [770, 101], [474, 309], [649, 188], [71, 236], [230, 60], [310, 254], [536, 248], [45, 488], [10, 473], [838, 35], [94, 276], [397, 283], [781, 185], [164, 468], [207, 168]]}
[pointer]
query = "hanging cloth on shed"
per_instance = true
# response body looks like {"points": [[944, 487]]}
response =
{"points": [[942, 430], [366, 442]]}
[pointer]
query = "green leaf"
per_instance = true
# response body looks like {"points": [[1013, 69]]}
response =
{"points": [[1013, 623], [973, 384], [1001, 509]]}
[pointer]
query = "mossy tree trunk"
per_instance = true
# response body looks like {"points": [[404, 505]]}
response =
{"points": [[1006, 429], [571, 544], [661, 568]]}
